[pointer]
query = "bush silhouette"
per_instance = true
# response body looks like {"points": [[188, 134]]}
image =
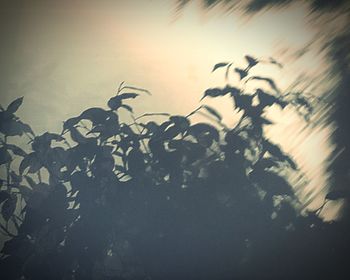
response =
{"points": [[171, 200]]}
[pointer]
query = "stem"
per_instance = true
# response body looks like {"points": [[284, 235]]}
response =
{"points": [[227, 71], [15, 222], [29, 136], [135, 88], [240, 121], [87, 129], [319, 210], [152, 114], [120, 87], [140, 133]]}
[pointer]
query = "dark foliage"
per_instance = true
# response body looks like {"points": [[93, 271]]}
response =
{"points": [[338, 52], [172, 200]]}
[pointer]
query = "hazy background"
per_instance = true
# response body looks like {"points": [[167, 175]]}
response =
{"points": [[66, 56]]}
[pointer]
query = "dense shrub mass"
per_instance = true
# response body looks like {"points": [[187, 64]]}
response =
{"points": [[106, 199]]}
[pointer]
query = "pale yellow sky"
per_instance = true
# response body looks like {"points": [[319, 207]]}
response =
{"points": [[75, 53], [71, 55]]}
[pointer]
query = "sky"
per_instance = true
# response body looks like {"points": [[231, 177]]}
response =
{"points": [[66, 56]]}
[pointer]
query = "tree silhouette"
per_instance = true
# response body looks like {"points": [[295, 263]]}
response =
{"points": [[106, 199]]}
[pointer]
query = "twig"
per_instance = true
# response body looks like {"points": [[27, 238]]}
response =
{"points": [[140, 133], [135, 88], [152, 114], [120, 87], [214, 120], [193, 112]]}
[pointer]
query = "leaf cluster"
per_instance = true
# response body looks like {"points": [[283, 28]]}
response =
{"points": [[80, 199]]}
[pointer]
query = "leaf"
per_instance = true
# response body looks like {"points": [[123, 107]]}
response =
{"points": [[5, 156], [117, 153], [16, 150], [157, 147], [232, 90], [262, 120], [30, 181], [213, 112], [120, 168], [4, 195], [194, 152], [301, 101], [26, 193], [102, 164], [234, 140], [219, 65], [14, 105], [68, 124], [276, 151], [227, 71], [43, 142], [8, 208], [200, 129], [251, 61], [136, 88], [338, 194], [243, 101], [32, 161], [242, 73], [12, 127], [273, 183], [128, 95], [135, 162], [77, 136], [182, 122], [291, 162], [97, 129], [151, 127], [16, 179], [114, 103], [176, 144], [274, 61], [268, 80], [49, 137], [25, 128], [171, 132], [95, 115], [164, 126], [79, 180], [215, 92], [266, 99], [59, 154]]}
